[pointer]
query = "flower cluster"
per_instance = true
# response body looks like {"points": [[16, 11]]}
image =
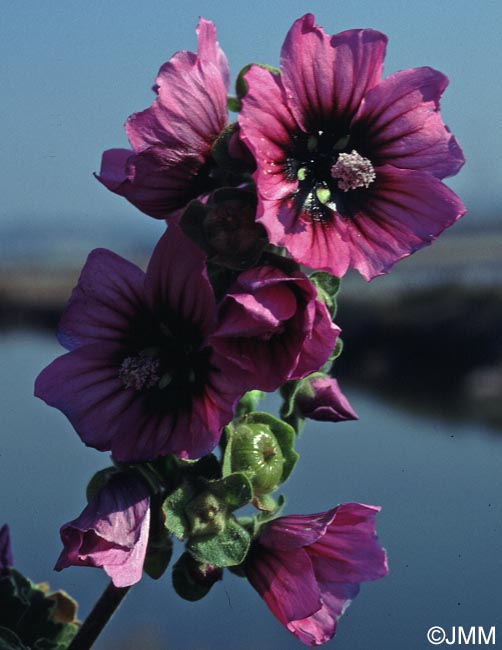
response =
{"points": [[328, 167]]}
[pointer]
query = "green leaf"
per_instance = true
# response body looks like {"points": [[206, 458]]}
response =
{"points": [[29, 612], [228, 548], [9, 640]]}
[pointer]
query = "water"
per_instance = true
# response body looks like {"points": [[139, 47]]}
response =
{"points": [[439, 484]]}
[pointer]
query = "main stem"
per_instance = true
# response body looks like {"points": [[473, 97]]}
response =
{"points": [[100, 615]]}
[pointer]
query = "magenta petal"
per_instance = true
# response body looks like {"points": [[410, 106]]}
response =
{"points": [[326, 77], [349, 550], [295, 531], [321, 626], [105, 301], [319, 344], [286, 583], [176, 277], [84, 384], [266, 127], [111, 532], [400, 118], [191, 108], [113, 171], [402, 212]]}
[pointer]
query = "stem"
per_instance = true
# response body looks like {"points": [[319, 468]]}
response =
{"points": [[101, 613]]}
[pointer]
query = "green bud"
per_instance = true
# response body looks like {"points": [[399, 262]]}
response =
{"points": [[260, 446], [256, 452], [206, 514]]}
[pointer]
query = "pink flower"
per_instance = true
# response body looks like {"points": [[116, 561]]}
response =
{"points": [[141, 378], [111, 532], [273, 326], [319, 398], [349, 166], [171, 159], [307, 568]]}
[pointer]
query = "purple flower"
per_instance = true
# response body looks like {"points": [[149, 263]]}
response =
{"points": [[6, 560], [141, 378], [171, 159], [319, 398], [349, 166], [307, 568], [111, 532], [273, 326]]}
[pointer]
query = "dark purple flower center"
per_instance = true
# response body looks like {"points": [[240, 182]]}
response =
{"points": [[327, 168], [171, 366]]}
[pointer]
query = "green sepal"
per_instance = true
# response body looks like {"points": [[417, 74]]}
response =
{"points": [[189, 579], [233, 104], [219, 150], [29, 613], [176, 521], [335, 353], [235, 490], [241, 86], [228, 548], [327, 286], [98, 481], [248, 402], [288, 411], [158, 554], [265, 503]]}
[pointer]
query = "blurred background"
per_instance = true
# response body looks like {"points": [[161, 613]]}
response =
{"points": [[422, 364]]}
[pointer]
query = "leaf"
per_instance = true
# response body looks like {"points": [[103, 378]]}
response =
{"points": [[228, 548]]}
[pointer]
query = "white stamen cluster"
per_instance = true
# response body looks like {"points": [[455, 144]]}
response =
{"points": [[140, 372], [352, 171]]}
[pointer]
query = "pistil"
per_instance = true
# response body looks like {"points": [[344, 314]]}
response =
{"points": [[352, 171], [140, 372]]}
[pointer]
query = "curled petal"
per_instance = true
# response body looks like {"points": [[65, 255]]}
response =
{"points": [[111, 532]]}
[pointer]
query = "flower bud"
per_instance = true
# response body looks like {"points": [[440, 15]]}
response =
{"points": [[206, 514], [192, 580], [256, 452], [319, 397], [225, 227], [261, 446]]}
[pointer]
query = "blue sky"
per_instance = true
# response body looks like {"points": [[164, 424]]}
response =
{"points": [[72, 71]]}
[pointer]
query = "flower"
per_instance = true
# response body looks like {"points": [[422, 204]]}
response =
{"points": [[308, 568], [272, 325], [111, 532], [319, 398], [171, 159], [141, 378], [349, 166], [6, 560]]}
